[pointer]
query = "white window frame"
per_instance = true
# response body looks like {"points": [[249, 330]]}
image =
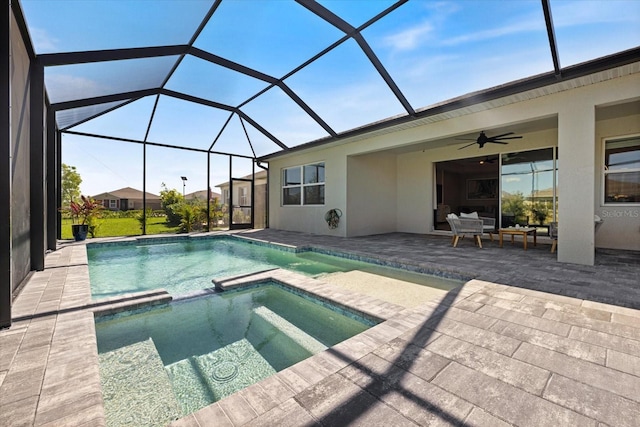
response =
{"points": [[242, 196], [302, 185], [606, 172], [113, 204]]}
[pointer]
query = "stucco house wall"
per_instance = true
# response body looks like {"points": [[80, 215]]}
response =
{"points": [[372, 185], [400, 163]]}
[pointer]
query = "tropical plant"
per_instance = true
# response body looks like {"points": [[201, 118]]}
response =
{"points": [[94, 225], [189, 218], [85, 211], [142, 217], [84, 216], [216, 213]]}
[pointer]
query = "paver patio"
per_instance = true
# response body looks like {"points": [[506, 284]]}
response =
{"points": [[529, 342]]}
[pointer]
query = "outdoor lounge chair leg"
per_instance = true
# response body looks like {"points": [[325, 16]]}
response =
{"points": [[479, 240], [553, 246], [455, 241], [491, 236]]}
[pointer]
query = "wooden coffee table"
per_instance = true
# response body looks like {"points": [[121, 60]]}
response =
{"points": [[521, 231]]}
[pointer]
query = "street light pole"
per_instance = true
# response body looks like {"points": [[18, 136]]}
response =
{"points": [[184, 184]]}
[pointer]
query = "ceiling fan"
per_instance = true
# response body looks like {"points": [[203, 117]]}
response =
{"points": [[488, 159], [483, 139]]}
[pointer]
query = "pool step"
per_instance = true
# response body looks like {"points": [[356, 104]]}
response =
{"points": [[131, 301], [136, 387], [296, 334], [281, 343], [200, 380]]}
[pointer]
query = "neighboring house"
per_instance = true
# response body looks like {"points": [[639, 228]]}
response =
{"points": [[126, 199], [578, 154], [241, 199], [202, 195]]}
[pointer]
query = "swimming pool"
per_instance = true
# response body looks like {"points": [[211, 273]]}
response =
{"points": [[189, 264], [168, 362]]}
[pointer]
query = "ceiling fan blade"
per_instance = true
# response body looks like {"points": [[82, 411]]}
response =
{"points": [[500, 136], [466, 139], [508, 137], [498, 142], [468, 145]]}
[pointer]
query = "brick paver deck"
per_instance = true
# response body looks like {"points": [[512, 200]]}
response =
{"points": [[544, 348]]}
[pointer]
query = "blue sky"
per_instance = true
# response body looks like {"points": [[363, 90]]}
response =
{"points": [[433, 50]]}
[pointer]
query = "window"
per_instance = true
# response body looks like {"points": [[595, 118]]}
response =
{"points": [[528, 189], [242, 193], [113, 204], [303, 185], [622, 170]]}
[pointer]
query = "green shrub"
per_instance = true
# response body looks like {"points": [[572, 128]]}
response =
{"points": [[540, 212], [514, 205]]}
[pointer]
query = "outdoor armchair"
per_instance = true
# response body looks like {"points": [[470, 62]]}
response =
{"points": [[488, 226], [553, 234], [462, 226]]}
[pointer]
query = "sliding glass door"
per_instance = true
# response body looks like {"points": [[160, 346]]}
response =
{"points": [[529, 188]]}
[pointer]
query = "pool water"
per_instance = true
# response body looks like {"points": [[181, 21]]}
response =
{"points": [[185, 266], [168, 362]]}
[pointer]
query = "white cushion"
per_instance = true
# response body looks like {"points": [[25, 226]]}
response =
{"points": [[473, 215], [452, 216]]}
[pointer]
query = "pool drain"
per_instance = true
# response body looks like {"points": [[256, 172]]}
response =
{"points": [[225, 371]]}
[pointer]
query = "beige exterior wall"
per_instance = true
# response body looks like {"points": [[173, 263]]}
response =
{"points": [[310, 219], [415, 192], [405, 159], [372, 183]]}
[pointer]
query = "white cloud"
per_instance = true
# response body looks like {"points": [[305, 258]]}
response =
{"points": [[512, 179], [43, 41], [64, 87], [521, 26], [414, 36], [410, 38]]}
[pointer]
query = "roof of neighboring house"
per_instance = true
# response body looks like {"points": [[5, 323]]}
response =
{"points": [[260, 175], [125, 193], [201, 194], [544, 193]]}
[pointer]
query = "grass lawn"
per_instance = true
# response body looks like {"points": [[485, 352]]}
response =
{"points": [[111, 227]]}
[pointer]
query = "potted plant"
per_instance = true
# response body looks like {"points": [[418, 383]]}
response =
{"points": [[83, 214]]}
